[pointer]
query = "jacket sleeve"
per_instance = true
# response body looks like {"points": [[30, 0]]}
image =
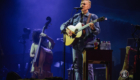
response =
{"points": [[64, 25], [96, 25]]}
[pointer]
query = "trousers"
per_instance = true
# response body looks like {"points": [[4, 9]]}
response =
{"points": [[79, 66]]}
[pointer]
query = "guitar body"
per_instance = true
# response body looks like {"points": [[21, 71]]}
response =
{"points": [[70, 40]]}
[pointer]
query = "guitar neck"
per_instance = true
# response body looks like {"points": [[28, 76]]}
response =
{"points": [[85, 26]]}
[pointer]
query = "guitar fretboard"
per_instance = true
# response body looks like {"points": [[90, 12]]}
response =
{"points": [[86, 25]]}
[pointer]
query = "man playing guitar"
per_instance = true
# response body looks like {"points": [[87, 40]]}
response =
{"points": [[90, 32]]}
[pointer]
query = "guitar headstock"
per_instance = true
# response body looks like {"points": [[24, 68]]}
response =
{"points": [[101, 19]]}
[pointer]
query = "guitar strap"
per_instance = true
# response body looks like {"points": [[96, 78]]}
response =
{"points": [[88, 18], [88, 29]]}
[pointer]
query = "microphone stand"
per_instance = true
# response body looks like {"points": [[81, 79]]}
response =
{"points": [[62, 39], [64, 59], [24, 49]]}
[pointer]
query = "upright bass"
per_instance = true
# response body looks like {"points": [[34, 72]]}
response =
{"points": [[40, 57]]}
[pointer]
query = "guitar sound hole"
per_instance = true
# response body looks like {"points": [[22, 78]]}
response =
{"points": [[73, 35]]}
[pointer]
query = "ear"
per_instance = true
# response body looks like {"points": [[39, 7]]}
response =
{"points": [[89, 6]]}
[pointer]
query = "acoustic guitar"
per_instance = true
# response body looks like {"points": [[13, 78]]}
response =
{"points": [[77, 31]]}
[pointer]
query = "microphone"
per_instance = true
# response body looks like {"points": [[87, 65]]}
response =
{"points": [[78, 8]]}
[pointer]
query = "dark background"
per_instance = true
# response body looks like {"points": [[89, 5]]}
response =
{"points": [[18, 14]]}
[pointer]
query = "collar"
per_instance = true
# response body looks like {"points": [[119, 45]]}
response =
{"points": [[87, 14]]}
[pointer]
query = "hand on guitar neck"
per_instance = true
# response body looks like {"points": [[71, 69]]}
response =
{"points": [[91, 25]]}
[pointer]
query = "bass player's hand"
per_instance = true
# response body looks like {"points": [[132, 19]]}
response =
{"points": [[43, 35]]}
